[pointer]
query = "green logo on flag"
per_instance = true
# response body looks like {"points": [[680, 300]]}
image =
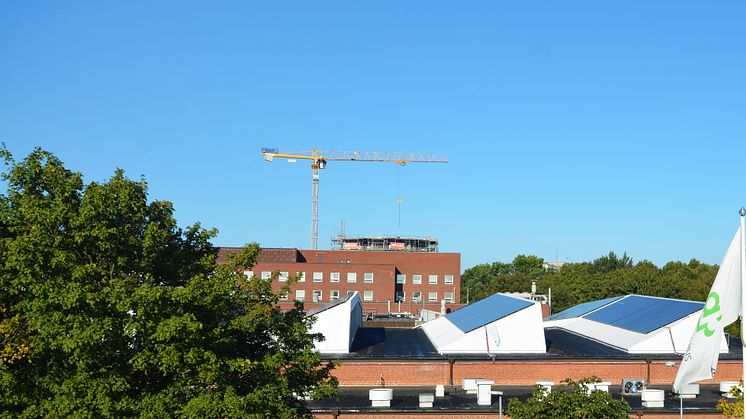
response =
{"points": [[712, 306]]}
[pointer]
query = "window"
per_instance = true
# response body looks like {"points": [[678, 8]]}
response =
{"points": [[249, 274], [432, 296], [301, 276], [334, 295], [266, 274], [432, 279], [334, 277], [317, 295], [368, 277], [351, 277], [401, 279], [300, 295], [416, 279], [448, 296], [318, 276], [284, 296], [368, 296], [417, 296], [448, 279], [283, 276], [349, 293], [400, 297]]}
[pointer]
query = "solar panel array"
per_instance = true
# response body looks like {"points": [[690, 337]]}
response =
{"points": [[643, 314], [580, 309], [486, 311]]}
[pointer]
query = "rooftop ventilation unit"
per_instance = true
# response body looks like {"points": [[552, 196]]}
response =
{"points": [[632, 386]]}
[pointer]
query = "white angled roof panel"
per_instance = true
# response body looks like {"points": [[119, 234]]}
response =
{"points": [[500, 324], [338, 321], [635, 324]]}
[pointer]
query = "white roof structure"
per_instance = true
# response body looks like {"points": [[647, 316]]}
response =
{"points": [[338, 321], [635, 324], [497, 324]]}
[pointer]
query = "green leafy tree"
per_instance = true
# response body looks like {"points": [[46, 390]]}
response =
{"points": [[576, 402], [109, 309], [528, 265], [483, 280], [732, 409], [611, 262], [478, 280]]}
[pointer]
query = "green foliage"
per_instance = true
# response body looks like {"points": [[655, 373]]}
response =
{"points": [[109, 309], [732, 409], [528, 265], [606, 276], [482, 280], [575, 403], [611, 262]]}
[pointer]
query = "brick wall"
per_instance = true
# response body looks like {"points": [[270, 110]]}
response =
{"points": [[523, 372], [407, 263], [405, 373], [728, 370], [529, 372], [385, 266], [382, 286], [269, 254]]}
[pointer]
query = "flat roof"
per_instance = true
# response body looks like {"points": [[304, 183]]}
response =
{"points": [[406, 400], [377, 343], [382, 342]]}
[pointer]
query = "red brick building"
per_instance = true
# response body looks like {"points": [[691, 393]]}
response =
{"points": [[395, 281]]}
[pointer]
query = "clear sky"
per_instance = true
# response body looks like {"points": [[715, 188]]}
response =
{"points": [[572, 127]]}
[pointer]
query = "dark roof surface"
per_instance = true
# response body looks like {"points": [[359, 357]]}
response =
{"points": [[564, 343], [399, 343], [406, 400], [379, 342]]}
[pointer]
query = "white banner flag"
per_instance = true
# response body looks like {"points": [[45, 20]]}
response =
{"points": [[723, 306]]}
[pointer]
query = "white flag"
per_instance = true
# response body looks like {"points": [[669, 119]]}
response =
{"points": [[722, 308]]}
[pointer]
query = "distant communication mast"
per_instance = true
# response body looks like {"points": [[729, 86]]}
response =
{"points": [[385, 244]]}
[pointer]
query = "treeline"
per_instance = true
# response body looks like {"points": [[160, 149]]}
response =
{"points": [[607, 276]]}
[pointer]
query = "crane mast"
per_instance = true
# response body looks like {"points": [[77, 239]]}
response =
{"points": [[319, 159]]}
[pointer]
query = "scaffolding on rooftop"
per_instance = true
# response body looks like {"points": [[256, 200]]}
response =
{"points": [[385, 243]]}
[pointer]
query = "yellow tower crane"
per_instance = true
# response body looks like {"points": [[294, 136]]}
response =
{"points": [[318, 161]]}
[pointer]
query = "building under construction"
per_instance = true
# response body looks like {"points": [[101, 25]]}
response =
{"points": [[385, 243]]}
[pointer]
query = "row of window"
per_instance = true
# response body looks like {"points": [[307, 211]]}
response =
{"points": [[352, 277], [401, 296], [417, 279]]}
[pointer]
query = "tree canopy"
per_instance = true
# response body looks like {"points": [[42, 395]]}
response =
{"points": [[575, 402], [109, 309], [607, 276]]}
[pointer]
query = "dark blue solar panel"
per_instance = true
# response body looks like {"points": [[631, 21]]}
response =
{"points": [[486, 311], [580, 309], [643, 314]]}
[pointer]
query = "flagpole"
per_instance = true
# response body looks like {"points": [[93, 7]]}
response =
{"points": [[742, 213]]}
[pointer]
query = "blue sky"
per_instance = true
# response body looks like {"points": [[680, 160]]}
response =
{"points": [[572, 128]]}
